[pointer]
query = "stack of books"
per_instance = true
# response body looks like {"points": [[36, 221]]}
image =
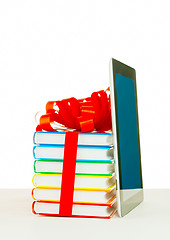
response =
{"points": [[94, 184]]}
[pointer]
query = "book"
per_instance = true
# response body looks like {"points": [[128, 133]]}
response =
{"points": [[80, 196], [84, 182], [94, 184], [82, 167], [78, 210], [83, 152], [58, 138]]}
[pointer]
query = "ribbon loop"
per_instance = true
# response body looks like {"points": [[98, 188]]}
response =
{"points": [[85, 115]]}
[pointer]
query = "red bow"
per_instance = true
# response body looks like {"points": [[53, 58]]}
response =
{"points": [[84, 115]]}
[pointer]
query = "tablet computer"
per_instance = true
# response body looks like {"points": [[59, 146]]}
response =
{"points": [[126, 140]]}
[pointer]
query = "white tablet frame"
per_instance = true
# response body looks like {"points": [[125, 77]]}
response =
{"points": [[137, 197]]}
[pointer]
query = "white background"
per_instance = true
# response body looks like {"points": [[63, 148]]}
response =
{"points": [[51, 50]]}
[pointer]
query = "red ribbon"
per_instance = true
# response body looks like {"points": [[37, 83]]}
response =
{"points": [[83, 115], [68, 174]]}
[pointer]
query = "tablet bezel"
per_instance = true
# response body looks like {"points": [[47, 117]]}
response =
{"points": [[123, 206]]}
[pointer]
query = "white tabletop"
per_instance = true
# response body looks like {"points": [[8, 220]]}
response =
{"points": [[150, 220]]}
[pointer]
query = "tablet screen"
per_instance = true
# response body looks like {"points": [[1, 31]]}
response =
{"points": [[126, 138], [127, 133]]}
